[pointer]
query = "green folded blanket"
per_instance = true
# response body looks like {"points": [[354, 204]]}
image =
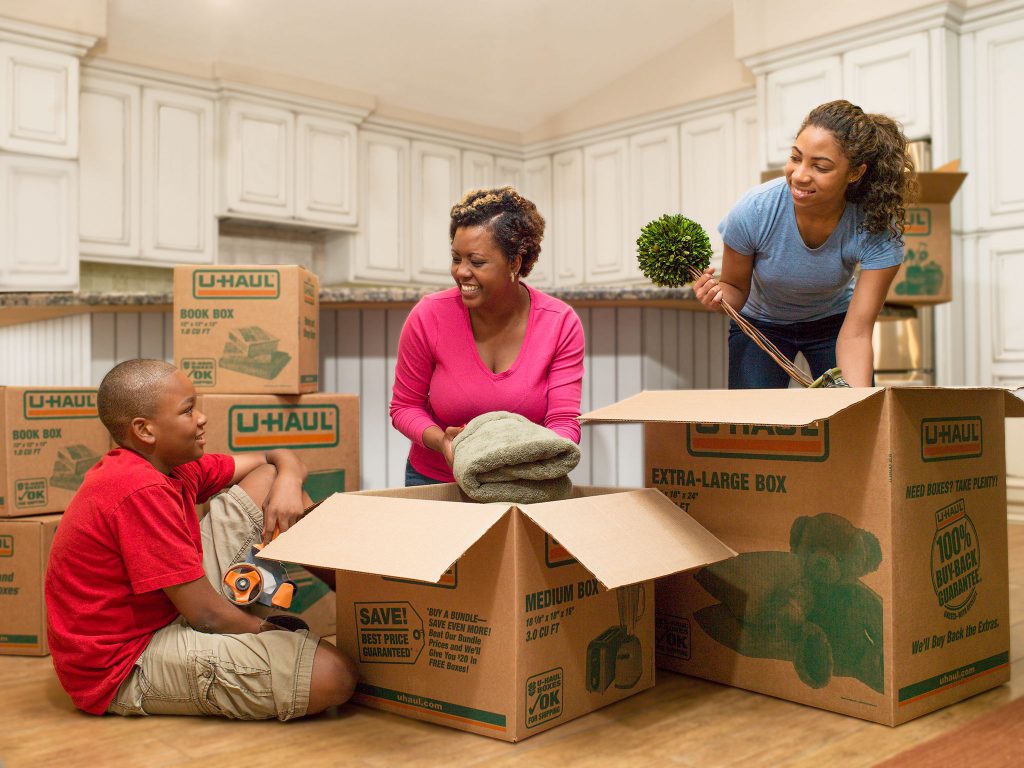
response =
{"points": [[502, 456]]}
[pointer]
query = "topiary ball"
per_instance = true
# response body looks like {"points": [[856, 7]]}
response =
{"points": [[669, 247]]}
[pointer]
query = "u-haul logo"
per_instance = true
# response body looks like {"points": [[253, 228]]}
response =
{"points": [[59, 404], [236, 284], [263, 427], [759, 441], [918, 222], [308, 292], [954, 437], [555, 554], [6, 546]]}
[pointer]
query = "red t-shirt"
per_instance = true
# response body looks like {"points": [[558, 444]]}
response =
{"points": [[129, 532]]}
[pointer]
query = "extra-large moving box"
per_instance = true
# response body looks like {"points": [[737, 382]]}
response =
{"points": [[51, 436], [24, 549], [871, 523], [498, 619], [247, 329]]}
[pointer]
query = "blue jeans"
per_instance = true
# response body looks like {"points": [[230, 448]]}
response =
{"points": [[750, 367], [413, 477]]}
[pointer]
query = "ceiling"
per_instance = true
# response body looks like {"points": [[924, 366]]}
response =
{"points": [[504, 64]]}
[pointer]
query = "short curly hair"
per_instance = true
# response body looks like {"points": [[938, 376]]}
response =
{"points": [[514, 222], [877, 141]]}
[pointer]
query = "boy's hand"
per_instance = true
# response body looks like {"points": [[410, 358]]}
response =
{"points": [[283, 506]]}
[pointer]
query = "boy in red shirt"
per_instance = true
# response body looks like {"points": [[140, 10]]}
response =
{"points": [[135, 622]]}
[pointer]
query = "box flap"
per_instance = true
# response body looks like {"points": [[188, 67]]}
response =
{"points": [[623, 538], [939, 187], [1015, 402], [402, 538], [788, 407]]}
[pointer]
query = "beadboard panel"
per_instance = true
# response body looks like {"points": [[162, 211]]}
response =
{"points": [[628, 350]]}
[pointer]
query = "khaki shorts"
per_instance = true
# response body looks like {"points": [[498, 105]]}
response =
{"points": [[248, 676]]}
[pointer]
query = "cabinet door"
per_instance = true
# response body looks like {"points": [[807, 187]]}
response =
{"points": [[178, 222], [382, 245], [537, 189], [477, 171], [999, 115], [892, 78], [108, 177], [792, 92], [38, 101], [436, 186], [567, 234], [748, 166], [606, 218], [259, 159], [999, 275], [38, 224], [654, 181], [326, 171], [706, 149], [508, 172]]}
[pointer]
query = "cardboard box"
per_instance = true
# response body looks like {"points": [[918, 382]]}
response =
{"points": [[322, 428], [51, 436], [24, 549], [498, 619], [926, 276], [247, 329], [871, 524]]}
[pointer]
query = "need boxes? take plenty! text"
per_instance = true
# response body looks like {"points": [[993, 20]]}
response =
{"points": [[247, 329], [499, 619], [51, 437], [24, 549], [871, 524]]}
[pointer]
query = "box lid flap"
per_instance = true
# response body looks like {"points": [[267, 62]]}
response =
{"points": [[788, 407], [401, 538], [623, 538], [938, 186], [1015, 402]]}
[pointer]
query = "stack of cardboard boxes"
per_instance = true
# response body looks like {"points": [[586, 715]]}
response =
{"points": [[247, 337], [50, 437]]}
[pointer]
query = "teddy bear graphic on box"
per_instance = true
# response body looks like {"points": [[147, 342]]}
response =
{"points": [[807, 606]]}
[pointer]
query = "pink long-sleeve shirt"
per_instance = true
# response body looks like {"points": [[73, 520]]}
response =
{"points": [[441, 380]]}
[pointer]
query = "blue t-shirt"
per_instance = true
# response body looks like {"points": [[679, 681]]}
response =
{"points": [[791, 282]]}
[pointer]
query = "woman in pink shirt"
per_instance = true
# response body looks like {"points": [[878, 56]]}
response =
{"points": [[491, 343]]}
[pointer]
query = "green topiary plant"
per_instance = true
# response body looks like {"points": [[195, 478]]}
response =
{"points": [[673, 250]]}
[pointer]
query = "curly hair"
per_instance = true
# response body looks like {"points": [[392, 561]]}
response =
{"points": [[514, 222], [877, 141]]}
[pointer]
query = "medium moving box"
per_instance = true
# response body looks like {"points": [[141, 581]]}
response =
{"points": [[926, 276], [51, 436], [499, 619], [322, 428], [24, 549], [247, 329], [871, 523]]}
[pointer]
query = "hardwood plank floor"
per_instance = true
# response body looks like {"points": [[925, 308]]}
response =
{"points": [[682, 721]]}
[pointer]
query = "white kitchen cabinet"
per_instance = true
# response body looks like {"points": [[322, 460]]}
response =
{"points": [[508, 172], [436, 183], [537, 189], [326, 171], [38, 101], [748, 164], [380, 251], [257, 148], [477, 171], [892, 78], [567, 218], [38, 224], [790, 93], [999, 273], [109, 195], [707, 171], [654, 180], [178, 222], [608, 244]]}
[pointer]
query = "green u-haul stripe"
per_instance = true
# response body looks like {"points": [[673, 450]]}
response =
{"points": [[952, 678], [436, 707], [19, 639]]}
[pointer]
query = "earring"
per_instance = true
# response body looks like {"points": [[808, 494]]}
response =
{"points": [[512, 276]]}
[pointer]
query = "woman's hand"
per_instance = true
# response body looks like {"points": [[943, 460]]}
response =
{"points": [[446, 444], [708, 290]]}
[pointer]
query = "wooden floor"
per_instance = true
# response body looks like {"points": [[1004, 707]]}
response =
{"points": [[682, 721]]}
